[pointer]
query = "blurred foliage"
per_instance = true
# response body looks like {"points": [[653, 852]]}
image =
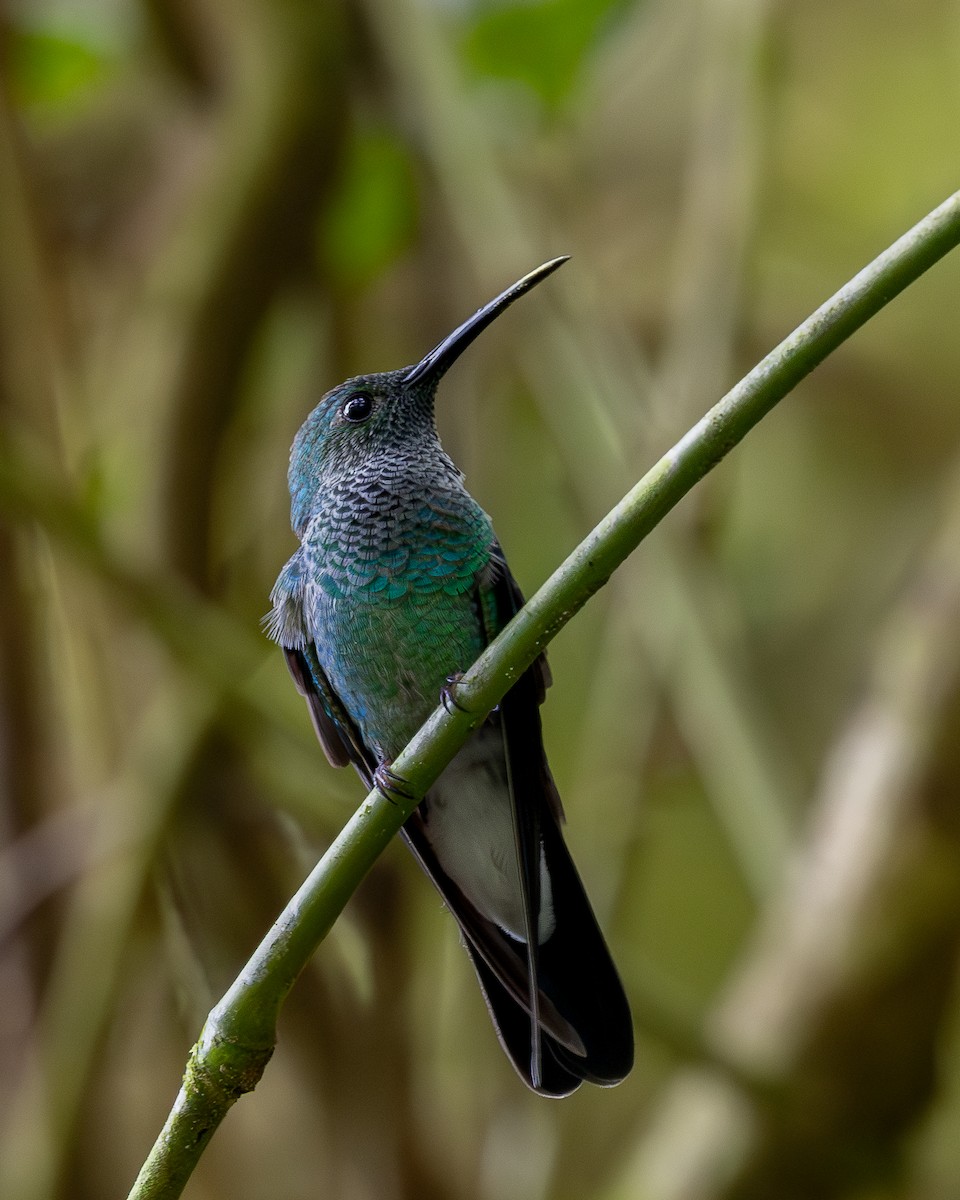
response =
{"points": [[371, 220], [55, 71], [210, 213], [542, 44]]}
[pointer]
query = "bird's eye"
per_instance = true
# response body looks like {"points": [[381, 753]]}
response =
{"points": [[357, 408]]}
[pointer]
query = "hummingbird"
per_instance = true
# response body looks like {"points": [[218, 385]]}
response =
{"points": [[398, 585]]}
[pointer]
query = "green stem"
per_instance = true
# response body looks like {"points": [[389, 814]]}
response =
{"points": [[240, 1032]]}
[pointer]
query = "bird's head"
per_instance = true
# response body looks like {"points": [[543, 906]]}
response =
{"points": [[371, 423]]}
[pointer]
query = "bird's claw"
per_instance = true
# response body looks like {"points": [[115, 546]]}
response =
{"points": [[448, 694], [389, 784]]}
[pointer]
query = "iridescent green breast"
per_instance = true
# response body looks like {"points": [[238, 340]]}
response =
{"points": [[391, 603]]}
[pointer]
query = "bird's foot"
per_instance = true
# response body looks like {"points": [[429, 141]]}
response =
{"points": [[448, 694], [389, 784]]}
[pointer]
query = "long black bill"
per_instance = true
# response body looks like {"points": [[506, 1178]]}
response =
{"points": [[442, 357]]}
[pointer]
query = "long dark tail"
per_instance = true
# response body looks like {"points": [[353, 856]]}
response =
{"points": [[584, 1024]]}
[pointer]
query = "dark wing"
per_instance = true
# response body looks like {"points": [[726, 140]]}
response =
{"points": [[338, 735]]}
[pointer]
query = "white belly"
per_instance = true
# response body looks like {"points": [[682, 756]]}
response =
{"points": [[470, 827]]}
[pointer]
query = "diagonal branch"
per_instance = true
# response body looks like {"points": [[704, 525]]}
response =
{"points": [[240, 1033]]}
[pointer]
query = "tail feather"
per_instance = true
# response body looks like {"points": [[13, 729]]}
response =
{"points": [[585, 1029]]}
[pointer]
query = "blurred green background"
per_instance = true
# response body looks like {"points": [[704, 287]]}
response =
{"points": [[213, 210]]}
